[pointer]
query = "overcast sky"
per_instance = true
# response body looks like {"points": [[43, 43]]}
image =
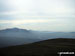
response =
{"points": [[43, 15]]}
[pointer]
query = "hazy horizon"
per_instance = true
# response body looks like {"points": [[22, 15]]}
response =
{"points": [[32, 30], [40, 15]]}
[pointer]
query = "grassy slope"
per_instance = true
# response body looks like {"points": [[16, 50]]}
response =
{"points": [[43, 48]]}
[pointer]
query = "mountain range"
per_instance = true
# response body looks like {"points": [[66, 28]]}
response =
{"points": [[16, 36]]}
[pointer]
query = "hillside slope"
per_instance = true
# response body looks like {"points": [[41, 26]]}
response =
{"points": [[43, 48]]}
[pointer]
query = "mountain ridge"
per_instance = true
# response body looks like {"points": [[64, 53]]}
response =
{"points": [[16, 36]]}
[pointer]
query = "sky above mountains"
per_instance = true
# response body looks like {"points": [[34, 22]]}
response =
{"points": [[43, 15]]}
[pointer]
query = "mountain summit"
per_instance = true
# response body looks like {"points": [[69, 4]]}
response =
{"points": [[14, 30]]}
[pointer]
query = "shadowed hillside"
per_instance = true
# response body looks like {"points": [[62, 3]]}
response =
{"points": [[43, 48]]}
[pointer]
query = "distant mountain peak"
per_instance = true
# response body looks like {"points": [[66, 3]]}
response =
{"points": [[14, 30]]}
